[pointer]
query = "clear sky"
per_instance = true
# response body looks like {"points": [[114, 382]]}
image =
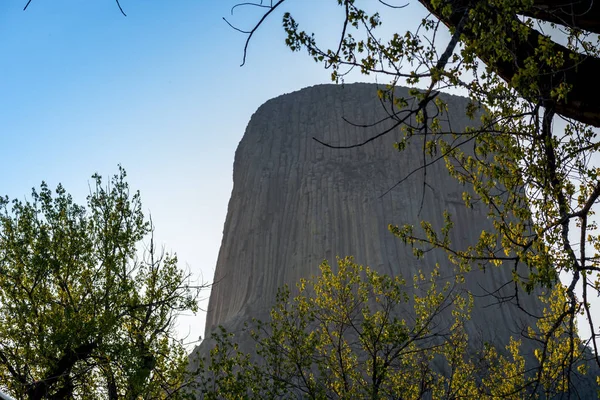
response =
{"points": [[161, 91]]}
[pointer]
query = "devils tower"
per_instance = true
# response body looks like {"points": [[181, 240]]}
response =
{"points": [[296, 202]]}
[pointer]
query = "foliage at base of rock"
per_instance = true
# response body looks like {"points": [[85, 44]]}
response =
{"points": [[354, 333]]}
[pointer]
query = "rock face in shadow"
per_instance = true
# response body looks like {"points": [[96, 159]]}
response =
{"points": [[296, 202]]}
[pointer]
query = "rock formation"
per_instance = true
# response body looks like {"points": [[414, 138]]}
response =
{"points": [[296, 202]]}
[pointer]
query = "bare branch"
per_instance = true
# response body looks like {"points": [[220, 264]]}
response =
{"points": [[422, 104], [392, 6], [120, 8], [261, 5], [251, 32]]}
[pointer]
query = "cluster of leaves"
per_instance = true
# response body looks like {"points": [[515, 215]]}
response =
{"points": [[80, 315], [355, 333]]}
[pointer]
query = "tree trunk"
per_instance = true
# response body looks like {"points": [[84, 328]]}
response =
{"points": [[41, 389], [580, 14], [582, 102]]}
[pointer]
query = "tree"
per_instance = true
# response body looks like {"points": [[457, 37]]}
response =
{"points": [[353, 333], [530, 155], [82, 316]]}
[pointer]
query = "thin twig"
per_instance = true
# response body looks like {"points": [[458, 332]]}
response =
{"points": [[121, 8], [392, 6], [251, 32], [249, 4]]}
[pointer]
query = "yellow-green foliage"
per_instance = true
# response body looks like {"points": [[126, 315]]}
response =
{"points": [[353, 333], [80, 315]]}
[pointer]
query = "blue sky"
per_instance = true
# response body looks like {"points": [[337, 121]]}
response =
{"points": [[161, 91]]}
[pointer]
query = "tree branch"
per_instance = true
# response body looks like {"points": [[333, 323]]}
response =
{"points": [[578, 72], [579, 14]]}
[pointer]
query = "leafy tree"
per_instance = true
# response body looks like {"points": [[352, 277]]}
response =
{"points": [[354, 334], [530, 156], [81, 316]]}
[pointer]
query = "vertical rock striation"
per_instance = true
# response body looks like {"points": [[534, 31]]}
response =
{"points": [[296, 202]]}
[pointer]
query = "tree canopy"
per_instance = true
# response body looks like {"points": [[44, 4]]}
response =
{"points": [[82, 315], [499, 33], [351, 333]]}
